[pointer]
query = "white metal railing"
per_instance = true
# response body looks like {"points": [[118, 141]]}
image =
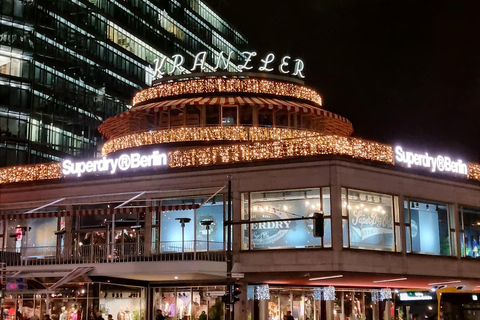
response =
{"points": [[113, 253]]}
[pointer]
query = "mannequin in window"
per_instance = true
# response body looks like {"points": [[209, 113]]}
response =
{"points": [[64, 314], [121, 315]]}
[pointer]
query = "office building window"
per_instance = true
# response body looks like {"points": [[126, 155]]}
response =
{"points": [[276, 209], [368, 220], [429, 227]]}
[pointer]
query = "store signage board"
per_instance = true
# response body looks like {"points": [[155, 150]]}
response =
{"points": [[415, 296], [124, 162], [16, 284], [285, 65], [437, 163]]}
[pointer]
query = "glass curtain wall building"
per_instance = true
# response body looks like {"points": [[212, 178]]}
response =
{"points": [[67, 65]]}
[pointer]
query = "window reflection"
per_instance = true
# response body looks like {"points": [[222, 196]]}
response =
{"points": [[428, 226], [367, 220], [276, 208]]}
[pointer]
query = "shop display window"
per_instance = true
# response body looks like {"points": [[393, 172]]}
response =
{"points": [[368, 220], [430, 227], [186, 303], [122, 302], [470, 221], [18, 306], [283, 205]]}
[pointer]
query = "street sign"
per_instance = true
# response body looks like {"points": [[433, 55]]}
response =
{"points": [[238, 275]]}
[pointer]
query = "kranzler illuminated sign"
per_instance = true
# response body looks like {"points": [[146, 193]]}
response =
{"points": [[285, 65], [438, 163], [124, 162]]}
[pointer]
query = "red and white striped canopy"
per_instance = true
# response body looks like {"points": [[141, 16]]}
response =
{"points": [[274, 104], [4, 215]]}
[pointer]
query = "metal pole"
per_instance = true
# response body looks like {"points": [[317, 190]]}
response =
{"points": [[228, 307], [208, 247], [183, 241]]}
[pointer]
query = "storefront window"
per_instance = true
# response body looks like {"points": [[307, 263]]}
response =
{"points": [[76, 301], [471, 232], [185, 303], [368, 220], [122, 302], [429, 226], [275, 208]]}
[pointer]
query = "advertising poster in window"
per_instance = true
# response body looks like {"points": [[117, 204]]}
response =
{"points": [[370, 221], [276, 231]]}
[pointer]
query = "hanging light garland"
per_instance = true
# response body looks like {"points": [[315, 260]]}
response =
{"points": [[262, 292], [260, 144], [329, 293], [317, 294], [235, 85], [375, 295], [385, 294]]}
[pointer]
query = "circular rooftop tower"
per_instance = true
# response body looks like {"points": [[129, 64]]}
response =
{"points": [[223, 108]]}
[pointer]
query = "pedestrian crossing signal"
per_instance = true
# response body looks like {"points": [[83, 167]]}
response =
{"points": [[236, 292]]}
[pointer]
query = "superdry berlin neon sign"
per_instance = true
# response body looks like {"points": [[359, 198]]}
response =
{"points": [[125, 162], [285, 65], [434, 163]]}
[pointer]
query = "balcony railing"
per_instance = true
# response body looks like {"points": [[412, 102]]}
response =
{"points": [[114, 253]]}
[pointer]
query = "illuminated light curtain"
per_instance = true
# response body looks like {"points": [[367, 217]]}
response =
{"points": [[262, 292], [329, 293], [375, 295], [317, 294], [385, 294]]}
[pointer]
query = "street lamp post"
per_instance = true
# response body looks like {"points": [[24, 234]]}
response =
{"points": [[182, 223], [207, 224]]}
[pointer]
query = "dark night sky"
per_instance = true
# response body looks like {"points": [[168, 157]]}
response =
{"points": [[404, 72]]}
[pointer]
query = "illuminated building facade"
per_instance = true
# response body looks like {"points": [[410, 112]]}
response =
{"points": [[66, 66], [145, 226]]}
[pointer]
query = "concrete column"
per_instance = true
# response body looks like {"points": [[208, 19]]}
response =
{"points": [[402, 235], [375, 311], [387, 314], [330, 307], [263, 306], [456, 219], [336, 209]]}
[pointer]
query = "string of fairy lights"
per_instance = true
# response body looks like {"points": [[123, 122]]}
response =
{"points": [[219, 85], [255, 144], [183, 134]]}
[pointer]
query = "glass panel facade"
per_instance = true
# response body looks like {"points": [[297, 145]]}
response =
{"points": [[429, 227], [470, 221], [369, 220], [66, 66], [275, 208], [198, 303]]}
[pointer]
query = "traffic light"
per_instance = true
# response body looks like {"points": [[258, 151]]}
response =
{"points": [[235, 292], [226, 298], [318, 224]]}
